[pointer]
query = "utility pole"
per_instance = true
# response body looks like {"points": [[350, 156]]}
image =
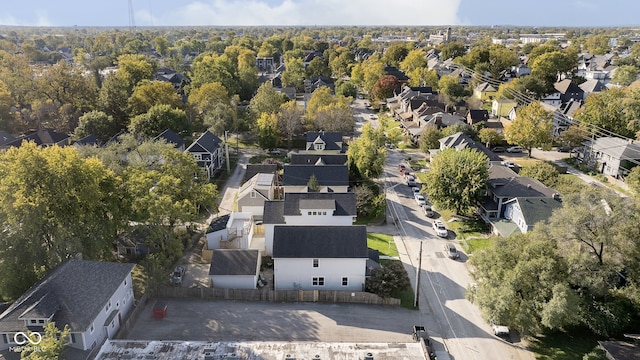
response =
{"points": [[415, 301], [226, 150]]}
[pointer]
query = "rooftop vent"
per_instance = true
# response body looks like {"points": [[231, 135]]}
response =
{"points": [[368, 356]]}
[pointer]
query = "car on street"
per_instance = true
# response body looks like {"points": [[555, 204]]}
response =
{"points": [[411, 182], [515, 149], [401, 167], [416, 190], [498, 149], [565, 148], [178, 275], [420, 199], [451, 251], [438, 227], [509, 164], [274, 152], [428, 211]]}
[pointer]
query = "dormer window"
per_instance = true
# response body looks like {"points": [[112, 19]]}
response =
{"points": [[319, 146]]}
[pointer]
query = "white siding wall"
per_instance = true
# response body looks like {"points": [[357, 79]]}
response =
{"points": [[213, 239], [122, 299], [234, 281], [256, 211], [513, 212], [290, 274]]}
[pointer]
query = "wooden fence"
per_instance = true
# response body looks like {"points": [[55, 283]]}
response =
{"points": [[323, 296]]}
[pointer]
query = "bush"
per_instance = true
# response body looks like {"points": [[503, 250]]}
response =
{"points": [[388, 279]]}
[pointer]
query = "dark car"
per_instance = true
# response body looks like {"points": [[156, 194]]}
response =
{"points": [[274, 152], [565, 148], [498, 149]]}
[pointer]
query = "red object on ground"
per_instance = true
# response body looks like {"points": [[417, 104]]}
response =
{"points": [[160, 309]]}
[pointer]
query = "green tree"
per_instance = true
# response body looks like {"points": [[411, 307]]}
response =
{"points": [[134, 68], [294, 74], [158, 119], [625, 75], [388, 280], [318, 67], [147, 94], [549, 65], [395, 54], [209, 68], [267, 100], [160, 45], [574, 136], [335, 117], [53, 205], [453, 50], [347, 89], [267, 128], [319, 98], [633, 180], [112, 98], [423, 77], [97, 123], [457, 179], [220, 118], [372, 70], [429, 139], [53, 342], [367, 153], [313, 184], [542, 171], [490, 137], [341, 64], [605, 110], [452, 90], [531, 128], [6, 102], [598, 44], [501, 59]]}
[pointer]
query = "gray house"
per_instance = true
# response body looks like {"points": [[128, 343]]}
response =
{"points": [[92, 298], [611, 155], [253, 194], [208, 152]]}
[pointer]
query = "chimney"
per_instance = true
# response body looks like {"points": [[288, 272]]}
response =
{"points": [[438, 120]]}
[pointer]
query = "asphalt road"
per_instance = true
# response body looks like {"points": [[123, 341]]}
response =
{"points": [[450, 318]]}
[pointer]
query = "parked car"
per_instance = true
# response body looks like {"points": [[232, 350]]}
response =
{"points": [[565, 148], [509, 164], [416, 190], [178, 275], [500, 330], [498, 149], [438, 227], [428, 211], [420, 199], [515, 149], [401, 167], [274, 152], [451, 251]]}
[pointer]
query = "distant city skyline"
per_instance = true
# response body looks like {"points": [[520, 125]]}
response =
{"points": [[542, 13]]}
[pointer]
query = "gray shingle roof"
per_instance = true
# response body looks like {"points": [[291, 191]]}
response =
{"points": [[616, 148], [218, 223], [234, 262], [81, 287], [171, 137], [310, 159], [331, 139], [207, 142], [461, 141], [519, 186], [327, 175], [274, 211], [320, 242], [539, 209], [253, 169]]}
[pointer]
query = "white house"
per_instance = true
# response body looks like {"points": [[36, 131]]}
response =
{"points": [[217, 232], [320, 257], [612, 156], [300, 209], [234, 269], [92, 297], [526, 212]]}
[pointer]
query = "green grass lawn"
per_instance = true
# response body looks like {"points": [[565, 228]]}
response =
{"points": [[570, 345], [383, 243], [476, 244]]}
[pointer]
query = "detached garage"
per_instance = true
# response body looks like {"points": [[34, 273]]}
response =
{"points": [[235, 269]]}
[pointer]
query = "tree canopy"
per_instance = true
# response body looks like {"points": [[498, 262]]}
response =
{"points": [[532, 127]]}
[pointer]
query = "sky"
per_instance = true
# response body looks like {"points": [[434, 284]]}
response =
{"points": [[588, 13]]}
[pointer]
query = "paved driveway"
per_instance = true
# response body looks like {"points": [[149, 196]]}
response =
{"points": [[198, 320]]}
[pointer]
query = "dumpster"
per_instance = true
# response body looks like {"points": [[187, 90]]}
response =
{"points": [[160, 309]]}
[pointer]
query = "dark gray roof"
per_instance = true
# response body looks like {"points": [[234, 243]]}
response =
{"points": [[310, 159], [327, 175], [308, 204], [46, 137], [171, 137], [461, 141], [274, 211], [234, 262], [519, 186], [537, 209], [320, 242], [218, 223], [89, 140], [207, 142], [5, 137], [81, 289], [331, 139], [253, 169], [616, 148]]}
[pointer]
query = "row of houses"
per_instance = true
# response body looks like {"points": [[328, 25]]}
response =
{"points": [[307, 232]]}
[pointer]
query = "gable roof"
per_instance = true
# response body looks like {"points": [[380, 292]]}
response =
{"points": [[332, 140], [260, 183], [234, 262], [320, 242], [207, 142], [327, 175], [519, 186], [616, 148], [478, 115], [43, 137], [274, 211], [171, 137], [537, 209], [76, 291], [461, 141], [593, 85], [219, 223], [485, 87], [253, 169], [308, 159], [5, 137]]}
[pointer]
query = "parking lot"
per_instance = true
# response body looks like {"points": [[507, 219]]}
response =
{"points": [[199, 320]]}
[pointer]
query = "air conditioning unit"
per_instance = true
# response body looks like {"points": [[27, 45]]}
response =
{"points": [[231, 356], [209, 356], [127, 354], [368, 356], [289, 357]]}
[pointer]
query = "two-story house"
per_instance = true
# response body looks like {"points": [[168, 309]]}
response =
{"points": [[320, 257], [93, 298], [208, 152], [333, 178], [324, 142], [526, 212], [461, 141], [611, 155], [306, 209], [485, 91], [253, 194], [317, 159]]}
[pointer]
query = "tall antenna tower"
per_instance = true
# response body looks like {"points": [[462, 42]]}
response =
{"points": [[132, 20]]}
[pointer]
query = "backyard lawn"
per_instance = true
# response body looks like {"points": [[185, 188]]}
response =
{"points": [[383, 243]]}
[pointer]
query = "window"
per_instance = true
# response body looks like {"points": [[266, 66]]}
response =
{"points": [[91, 330], [118, 304], [345, 281], [4, 338], [197, 156], [318, 281], [253, 194], [73, 338], [125, 281], [33, 321], [308, 212], [324, 213], [106, 308], [315, 262], [41, 321], [315, 213]]}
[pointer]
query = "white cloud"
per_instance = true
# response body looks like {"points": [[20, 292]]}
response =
{"points": [[8, 20], [312, 12]]}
